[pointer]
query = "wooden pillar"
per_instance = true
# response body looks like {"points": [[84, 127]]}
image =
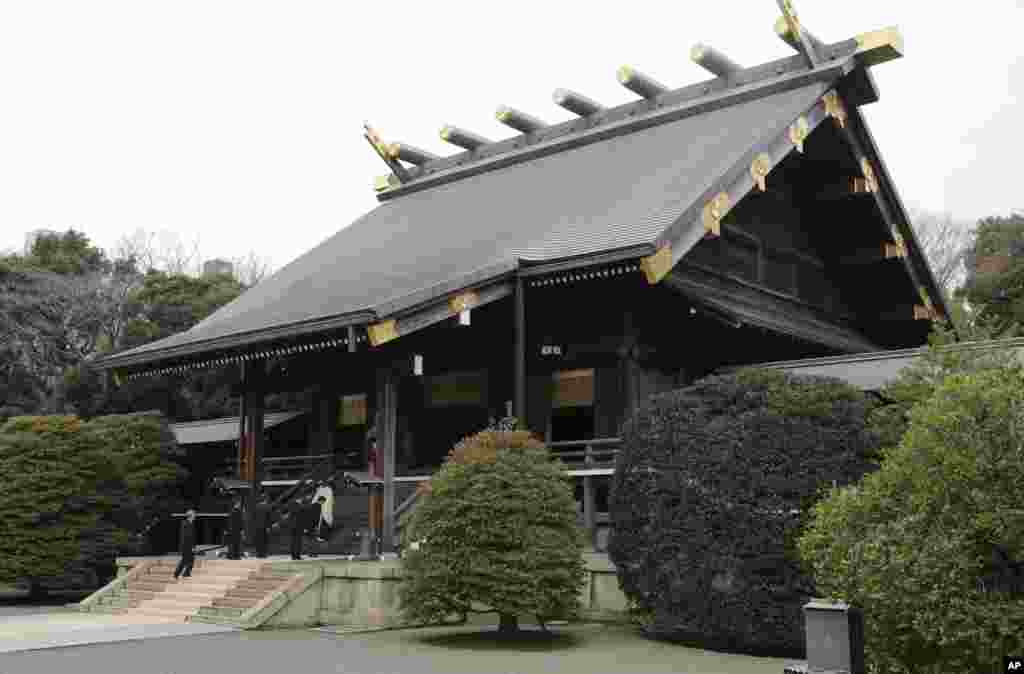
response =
{"points": [[519, 375], [589, 501], [386, 439], [243, 447], [629, 369], [254, 390]]}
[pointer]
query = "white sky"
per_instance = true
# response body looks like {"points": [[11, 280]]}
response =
{"points": [[239, 122]]}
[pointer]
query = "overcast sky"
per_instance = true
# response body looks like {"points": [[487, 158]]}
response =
{"points": [[239, 123]]}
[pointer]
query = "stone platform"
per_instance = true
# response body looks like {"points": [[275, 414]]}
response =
{"points": [[339, 590]]}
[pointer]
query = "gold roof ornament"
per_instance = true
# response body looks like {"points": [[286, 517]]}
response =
{"points": [[384, 183], [869, 174], [835, 108], [656, 267], [381, 333], [798, 133], [462, 302], [713, 213], [759, 170]]}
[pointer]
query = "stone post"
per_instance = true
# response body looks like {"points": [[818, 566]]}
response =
{"points": [[835, 639]]}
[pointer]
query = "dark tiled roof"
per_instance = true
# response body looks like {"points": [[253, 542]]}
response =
{"points": [[618, 193]]}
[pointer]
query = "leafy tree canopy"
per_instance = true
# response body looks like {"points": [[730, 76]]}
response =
{"points": [[67, 253], [931, 545], [76, 491], [997, 286]]}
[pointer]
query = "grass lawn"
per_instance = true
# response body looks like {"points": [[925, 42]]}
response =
{"points": [[586, 649]]}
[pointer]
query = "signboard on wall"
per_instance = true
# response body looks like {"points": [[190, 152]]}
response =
{"points": [[573, 388], [352, 410], [456, 388]]}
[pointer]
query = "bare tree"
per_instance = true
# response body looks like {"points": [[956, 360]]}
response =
{"points": [[161, 251], [945, 243], [250, 269]]}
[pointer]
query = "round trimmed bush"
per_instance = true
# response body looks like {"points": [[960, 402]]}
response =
{"points": [[495, 532], [709, 494]]}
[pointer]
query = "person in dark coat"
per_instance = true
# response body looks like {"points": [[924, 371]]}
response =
{"points": [[296, 525], [235, 531], [260, 522], [186, 541], [312, 512]]}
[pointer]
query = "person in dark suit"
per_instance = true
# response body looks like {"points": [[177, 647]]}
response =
{"points": [[313, 510], [186, 541], [235, 531], [296, 525], [260, 522]]}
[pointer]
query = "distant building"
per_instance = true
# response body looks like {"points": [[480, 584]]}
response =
{"points": [[33, 236], [217, 266]]}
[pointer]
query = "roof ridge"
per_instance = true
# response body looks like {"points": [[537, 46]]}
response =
{"points": [[718, 92]]}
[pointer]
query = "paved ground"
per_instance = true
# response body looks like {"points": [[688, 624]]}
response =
{"points": [[36, 628], [586, 649]]}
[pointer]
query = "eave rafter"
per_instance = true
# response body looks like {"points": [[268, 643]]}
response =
{"points": [[853, 132], [385, 331], [751, 172]]}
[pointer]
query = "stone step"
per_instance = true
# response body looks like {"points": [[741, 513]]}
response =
{"points": [[163, 613], [219, 572], [259, 586], [217, 612], [145, 586], [185, 595], [139, 595], [243, 593], [183, 607], [201, 583], [236, 602], [118, 602]]}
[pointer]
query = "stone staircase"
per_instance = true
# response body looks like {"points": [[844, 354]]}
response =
{"points": [[214, 584]]}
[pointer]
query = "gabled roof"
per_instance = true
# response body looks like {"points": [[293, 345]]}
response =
{"points": [[874, 371], [224, 429], [627, 184]]}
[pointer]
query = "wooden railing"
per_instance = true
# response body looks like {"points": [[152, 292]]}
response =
{"points": [[596, 453], [589, 460]]}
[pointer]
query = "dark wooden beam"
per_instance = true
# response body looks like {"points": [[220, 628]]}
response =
{"points": [[519, 361], [255, 388], [917, 312], [884, 252], [242, 411], [845, 188], [388, 439], [858, 138], [705, 216], [393, 328]]}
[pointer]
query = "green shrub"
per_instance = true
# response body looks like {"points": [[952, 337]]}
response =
{"points": [[927, 545], [708, 496], [74, 492], [496, 532]]}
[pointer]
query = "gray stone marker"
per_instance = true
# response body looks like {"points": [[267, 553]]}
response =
{"points": [[835, 639]]}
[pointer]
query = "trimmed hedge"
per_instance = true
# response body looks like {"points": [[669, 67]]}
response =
{"points": [[75, 492], [709, 495]]}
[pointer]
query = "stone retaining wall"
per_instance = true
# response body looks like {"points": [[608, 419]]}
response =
{"points": [[359, 593]]}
